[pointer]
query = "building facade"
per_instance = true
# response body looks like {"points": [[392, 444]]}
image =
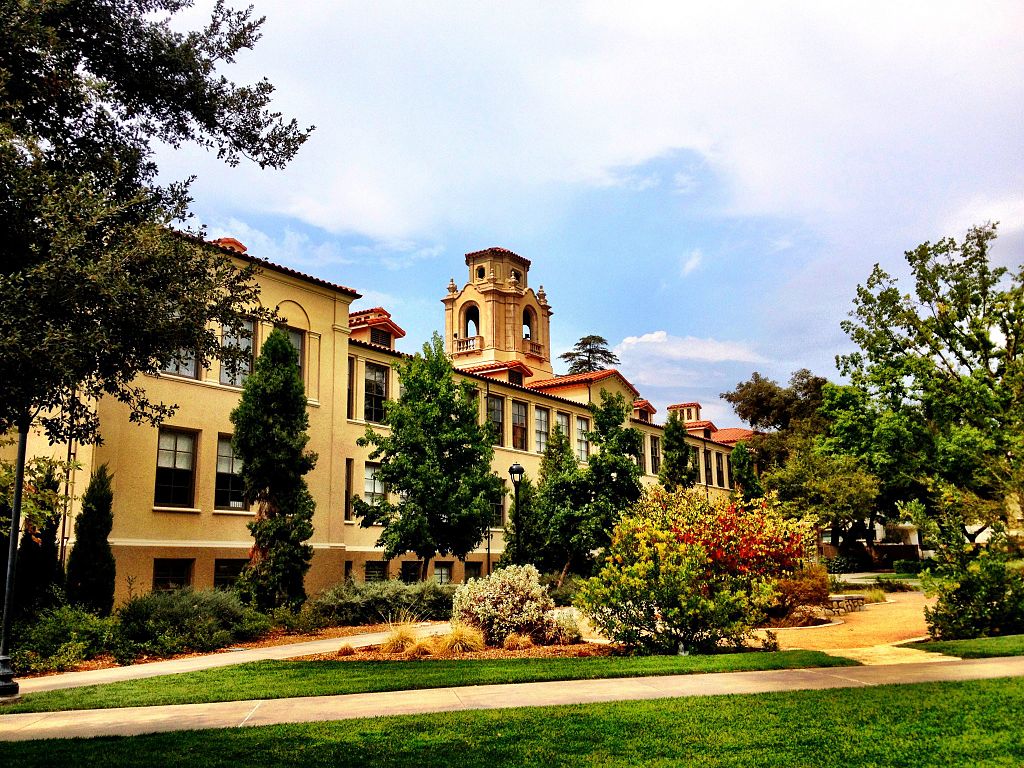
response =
{"points": [[179, 515]]}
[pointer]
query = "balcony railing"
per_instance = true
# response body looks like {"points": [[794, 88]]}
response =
{"points": [[534, 348], [469, 344]]}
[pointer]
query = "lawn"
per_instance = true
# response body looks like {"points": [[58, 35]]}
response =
{"points": [[282, 679], [980, 648], [934, 724]]}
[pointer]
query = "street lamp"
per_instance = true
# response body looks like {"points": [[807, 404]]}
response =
{"points": [[516, 472]]}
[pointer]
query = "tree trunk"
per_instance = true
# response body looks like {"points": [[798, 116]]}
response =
{"points": [[424, 565], [563, 574]]}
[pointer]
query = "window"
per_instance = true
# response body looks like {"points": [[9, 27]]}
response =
{"points": [[381, 337], [175, 468], [515, 377], [375, 570], [695, 462], [498, 510], [473, 570], [348, 570], [541, 427], [519, 412], [728, 472], [298, 340], [227, 493], [707, 467], [350, 405], [171, 573], [349, 469], [582, 440], [562, 423], [655, 455], [226, 572], [410, 571], [234, 374], [719, 469], [373, 489], [641, 459], [376, 393], [443, 573], [496, 416], [185, 366]]}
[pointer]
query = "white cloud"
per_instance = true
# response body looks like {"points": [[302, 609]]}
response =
{"points": [[1007, 210], [291, 248], [684, 183], [836, 114], [690, 261], [659, 345]]}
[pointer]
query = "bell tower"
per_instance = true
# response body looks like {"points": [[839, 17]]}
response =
{"points": [[497, 318]]}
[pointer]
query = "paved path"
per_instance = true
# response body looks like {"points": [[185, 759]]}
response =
{"points": [[223, 659], [139, 720]]}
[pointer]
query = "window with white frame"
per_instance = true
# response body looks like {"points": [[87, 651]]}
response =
{"points": [[227, 492], [175, 468], [233, 373], [582, 438], [375, 392], [541, 427], [496, 417], [373, 489], [519, 416]]}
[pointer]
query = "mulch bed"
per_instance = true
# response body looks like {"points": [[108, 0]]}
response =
{"points": [[372, 653]]}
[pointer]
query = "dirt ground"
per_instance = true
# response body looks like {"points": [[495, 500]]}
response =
{"points": [[877, 624]]}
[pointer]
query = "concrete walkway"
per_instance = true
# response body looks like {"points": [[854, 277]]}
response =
{"points": [[210, 661], [139, 720]]}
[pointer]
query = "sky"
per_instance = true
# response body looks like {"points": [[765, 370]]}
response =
{"points": [[702, 184]]}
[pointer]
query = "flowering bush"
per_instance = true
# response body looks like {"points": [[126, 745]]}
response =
{"points": [[685, 574], [509, 600]]}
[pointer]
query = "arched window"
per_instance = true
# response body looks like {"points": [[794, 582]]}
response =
{"points": [[528, 324], [470, 321], [480, 273]]}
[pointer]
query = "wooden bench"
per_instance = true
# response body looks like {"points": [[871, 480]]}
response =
{"points": [[845, 603]]}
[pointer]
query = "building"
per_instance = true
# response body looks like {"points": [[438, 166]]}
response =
{"points": [[179, 516]]}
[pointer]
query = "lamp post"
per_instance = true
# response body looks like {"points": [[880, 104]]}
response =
{"points": [[516, 472], [8, 685]]}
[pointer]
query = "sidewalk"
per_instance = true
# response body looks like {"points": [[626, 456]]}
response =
{"points": [[139, 720], [210, 661]]}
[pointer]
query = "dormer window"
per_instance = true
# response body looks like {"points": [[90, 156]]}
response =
{"points": [[515, 377], [380, 337]]}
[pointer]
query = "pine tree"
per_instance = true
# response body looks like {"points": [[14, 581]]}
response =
{"points": [[743, 473], [91, 569], [270, 439], [590, 353], [436, 459], [679, 468]]}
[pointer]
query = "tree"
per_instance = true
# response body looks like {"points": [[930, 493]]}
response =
{"points": [[744, 473], [40, 577], [525, 529], [679, 468], [270, 439], [436, 459], [590, 353], [91, 569], [942, 370], [88, 89]]}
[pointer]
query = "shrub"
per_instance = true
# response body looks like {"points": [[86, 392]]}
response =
{"points": [[516, 642], [842, 564], [564, 630], [685, 574], [166, 623], [908, 566], [798, 595], [892, 585], [874, 596], [355, 603], [398, 640], [461, 639], [509, 600], [564, 595], [420, 649], [59, 639], [346, 649], [982, 597]]}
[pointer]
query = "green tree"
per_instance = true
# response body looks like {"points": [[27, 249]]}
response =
{"points": [[436, 458], [91, 570], [525, 529], [942, 371], [679, 467], [270, 439], [563, 513], [744, 473], [589, 354], [40, 577]]}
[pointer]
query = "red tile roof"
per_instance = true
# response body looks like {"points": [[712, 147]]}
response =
{"points": [[732, 435], [701, 425], [591, 377], [683, 405], [644, 405], [502, 365], [377, 316], [497, 250]]}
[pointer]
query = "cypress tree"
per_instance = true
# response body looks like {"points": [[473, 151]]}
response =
{"points": [[679, 468], [91, 569], [270, 439]]}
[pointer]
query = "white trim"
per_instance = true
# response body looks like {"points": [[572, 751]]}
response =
{"points": [[186, 510]]}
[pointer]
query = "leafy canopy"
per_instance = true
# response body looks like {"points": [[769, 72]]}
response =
{"points": [[436, 459], [589, 354], [679, 467]]}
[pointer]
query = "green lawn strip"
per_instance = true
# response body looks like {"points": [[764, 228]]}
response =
{"points": [[980, 648], [975, 723], [283, 679]]}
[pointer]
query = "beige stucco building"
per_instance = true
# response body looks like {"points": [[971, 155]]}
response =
{"points": [[178, 513]]}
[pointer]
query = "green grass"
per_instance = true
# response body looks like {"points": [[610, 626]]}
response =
{"points": [[980, 648], [282, 679], [972, 724]]}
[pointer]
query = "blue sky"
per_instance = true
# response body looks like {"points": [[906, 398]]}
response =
{"points": [[703, 184]]}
